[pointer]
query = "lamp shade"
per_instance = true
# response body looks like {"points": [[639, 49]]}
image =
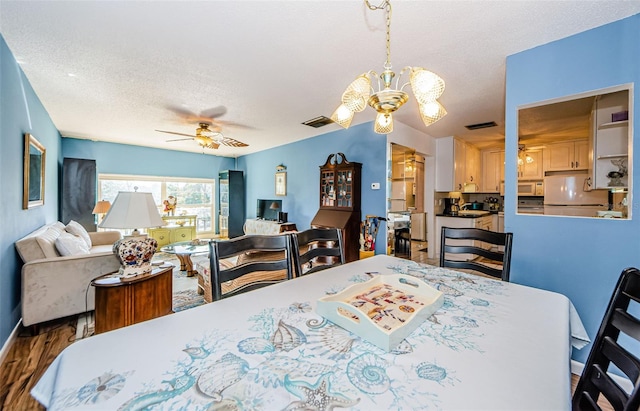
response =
{"points": [[101, 207], [132, 210], [274, 206]]}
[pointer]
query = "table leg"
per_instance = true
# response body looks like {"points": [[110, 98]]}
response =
{"points": [[186, 264]]}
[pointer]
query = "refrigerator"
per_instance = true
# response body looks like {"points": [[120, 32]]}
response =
{"points": [[565, 195]]}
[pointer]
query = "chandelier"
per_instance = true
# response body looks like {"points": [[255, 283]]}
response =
{"points": [[427, 88], [523, 156]]}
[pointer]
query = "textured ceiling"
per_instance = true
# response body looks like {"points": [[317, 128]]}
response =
{"points": [[119, 70]]}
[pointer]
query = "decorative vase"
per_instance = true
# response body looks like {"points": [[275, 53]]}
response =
{"points": [[135, 255]]}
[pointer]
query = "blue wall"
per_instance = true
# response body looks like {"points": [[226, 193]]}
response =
{"points": [[124, 159], [20, 112], [580, 258], [303, 160]]}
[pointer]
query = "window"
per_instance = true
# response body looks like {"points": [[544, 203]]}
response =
{"points": [[194, 195]]}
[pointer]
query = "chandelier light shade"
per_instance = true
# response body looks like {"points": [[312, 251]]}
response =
{"points": [[427, 87]]}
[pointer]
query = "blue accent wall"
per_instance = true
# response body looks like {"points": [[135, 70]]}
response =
{"points": [[20, 112], [125, 159], [580, 258], [303, 160]]}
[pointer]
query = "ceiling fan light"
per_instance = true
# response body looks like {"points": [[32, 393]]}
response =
{"points": [[426, 85], [383, 123], [431, 112], [356, 95], [342, 116]]}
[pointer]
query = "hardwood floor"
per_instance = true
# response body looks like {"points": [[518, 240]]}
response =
{"points": [[30, 356], [28, 359]]}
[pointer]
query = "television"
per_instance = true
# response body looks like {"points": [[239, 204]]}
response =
{"points": [[266, 212]]}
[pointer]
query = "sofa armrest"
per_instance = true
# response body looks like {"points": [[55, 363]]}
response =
{"points": [[104, 237], [58, 287]]}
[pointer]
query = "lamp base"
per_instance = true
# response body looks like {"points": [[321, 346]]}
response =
{"points": [[135, 254]]}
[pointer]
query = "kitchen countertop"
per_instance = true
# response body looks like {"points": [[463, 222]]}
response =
{"points": [[466, 216]]}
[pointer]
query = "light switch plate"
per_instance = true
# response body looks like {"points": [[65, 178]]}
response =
{"points": [[375, 186]]}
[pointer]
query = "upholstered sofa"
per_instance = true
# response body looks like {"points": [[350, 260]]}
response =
{"points": [[57, 274]]}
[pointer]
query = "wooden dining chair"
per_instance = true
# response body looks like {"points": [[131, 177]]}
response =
{"points": [[475, 249], [262, 260], [317, 249], [607, 350]]}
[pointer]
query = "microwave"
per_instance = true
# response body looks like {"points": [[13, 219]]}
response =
{"points": [[530, 188]]}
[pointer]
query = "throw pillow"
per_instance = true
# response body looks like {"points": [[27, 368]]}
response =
{"points": [[78, 230], [69, 244], [46, 241]]}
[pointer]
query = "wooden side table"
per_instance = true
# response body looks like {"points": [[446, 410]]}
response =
{"points": [[126, 301]]}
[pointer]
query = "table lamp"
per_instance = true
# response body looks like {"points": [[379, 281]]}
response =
{"points": [[133, 210], [275, 207], [102, 207]]}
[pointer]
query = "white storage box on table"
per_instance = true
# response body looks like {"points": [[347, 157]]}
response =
{"points": [[383, 310]]}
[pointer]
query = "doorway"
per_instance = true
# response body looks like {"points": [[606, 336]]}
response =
{"points": [[406, 219]]}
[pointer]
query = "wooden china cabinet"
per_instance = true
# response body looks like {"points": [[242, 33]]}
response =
{"points": [[340, 190]]}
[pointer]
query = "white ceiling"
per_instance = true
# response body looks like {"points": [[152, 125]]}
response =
{"points": [[271, 64]]}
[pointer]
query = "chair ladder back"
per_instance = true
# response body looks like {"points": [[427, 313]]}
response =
{"points": [[480, 255], [279, 245], [618, 319], [316, 243]]}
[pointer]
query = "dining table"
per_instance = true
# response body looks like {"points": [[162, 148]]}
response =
{"points": [[491, 345]]}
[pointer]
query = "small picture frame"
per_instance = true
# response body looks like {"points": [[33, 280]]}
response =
{"points": [[281, 183]]}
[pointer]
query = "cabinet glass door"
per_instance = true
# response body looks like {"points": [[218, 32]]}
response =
{"points": [[327, 189], [344, 189]]}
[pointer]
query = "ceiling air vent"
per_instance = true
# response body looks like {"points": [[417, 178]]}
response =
{"points": [[318, 122], [481, 125]]}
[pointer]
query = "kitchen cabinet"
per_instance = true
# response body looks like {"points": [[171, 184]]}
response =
{"points": [[611, 138], [485, 222], [533, 170], [492, 171], [569, 155], [472, 164], [457, 163]]}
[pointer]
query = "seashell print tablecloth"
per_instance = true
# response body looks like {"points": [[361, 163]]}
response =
{"points": [[492, 345]]}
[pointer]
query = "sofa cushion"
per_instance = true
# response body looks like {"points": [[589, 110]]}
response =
{"points": [[77, 229], [69, 244], [47, 240]]}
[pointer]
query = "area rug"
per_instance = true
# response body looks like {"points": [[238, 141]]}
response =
{"points": [[185, 296], [183, 300]]}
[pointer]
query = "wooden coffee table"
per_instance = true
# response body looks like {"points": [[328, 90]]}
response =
{"points": [[126, 301], [183, 250]]}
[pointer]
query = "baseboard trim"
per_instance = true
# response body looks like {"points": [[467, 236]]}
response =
{"points": [[9, 343], [578, 367]]}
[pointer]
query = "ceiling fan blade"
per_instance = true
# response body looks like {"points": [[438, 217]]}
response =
{"points": [[232, 142], [232, 124], [179, 139], [213, 112], [173, 132], [212, 144]]}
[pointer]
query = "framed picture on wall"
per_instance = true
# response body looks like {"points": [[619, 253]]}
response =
{"points": [[281, 183], [34, 156]]}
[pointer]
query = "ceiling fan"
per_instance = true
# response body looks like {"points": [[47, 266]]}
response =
{"points": [[210, 116], [207, 138]]}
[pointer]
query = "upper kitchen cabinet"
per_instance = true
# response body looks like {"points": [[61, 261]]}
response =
{"points": [[492, 170], [530, 165], [457, 163], [569, 155], [611, 140]]}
